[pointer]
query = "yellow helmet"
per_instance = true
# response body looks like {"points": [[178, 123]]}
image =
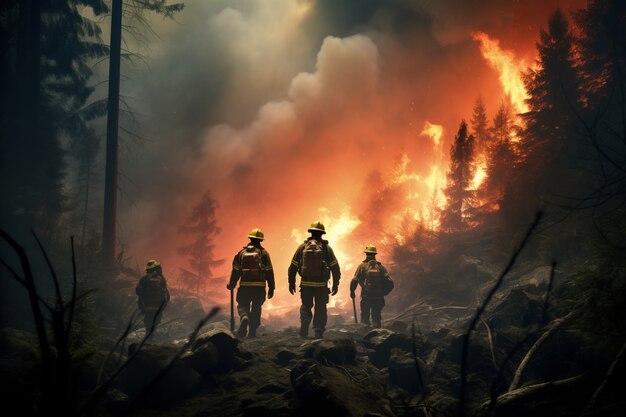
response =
{"points": [[317, 227], [256, 234], [370, 249], [152, 263]]}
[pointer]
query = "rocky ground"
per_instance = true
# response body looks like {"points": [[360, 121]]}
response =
{"points": [[532, 360]]}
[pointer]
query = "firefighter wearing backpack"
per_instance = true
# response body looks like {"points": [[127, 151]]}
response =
{"points": [[375, 284], [314, 260], [253, 266], [152, 295]]}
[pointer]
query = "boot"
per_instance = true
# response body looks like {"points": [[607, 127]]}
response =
{"points": [[252, 332], [319, 334], [304, 329], [242, 331]]}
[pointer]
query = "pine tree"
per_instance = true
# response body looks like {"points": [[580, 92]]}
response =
{"points": [[502, 158], [549, 150], [480, 125], [457, 192], [47, 50], [202, 226]]}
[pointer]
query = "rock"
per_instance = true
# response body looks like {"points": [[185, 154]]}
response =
{"points": [[272, 388], [402, 372], [245, 354], [283, 357], [312, 386], [274, 407], [204, 359], [339, 351], [226, 344], [399, 327], [324, 390], [519, 308], [178, 383], [382, 341], [115, 401]]}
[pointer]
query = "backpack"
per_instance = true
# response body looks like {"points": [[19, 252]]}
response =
{"points": [[312, 260], [251, 264], [153, 290], [374, 279]]}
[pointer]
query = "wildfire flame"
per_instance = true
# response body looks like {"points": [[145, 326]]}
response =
{"points": [[509, 68]]}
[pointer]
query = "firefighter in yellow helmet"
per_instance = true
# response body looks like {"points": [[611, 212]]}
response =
{"points": [[375, 284], [152, 295], [253, 266], [314, 260]]}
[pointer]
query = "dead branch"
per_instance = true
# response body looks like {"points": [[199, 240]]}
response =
{"points": [[556, 324], [523, 394], [29, 283], [481, 309], [490, 340]]}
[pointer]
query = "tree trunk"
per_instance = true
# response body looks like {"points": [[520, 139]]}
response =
{"points": [[110, 184]]}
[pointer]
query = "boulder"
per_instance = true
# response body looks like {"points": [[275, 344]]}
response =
{"points": [[339, 351], [382, 341], [402, 372], [204, 359], [283, 357], [115, 401], [312, 385], [179, 382], [519, 308], [224, 341], [399, 327]]}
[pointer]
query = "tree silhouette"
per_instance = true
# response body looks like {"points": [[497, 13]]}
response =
{"points": [[457, 192], [202, 226], [480, 125]]}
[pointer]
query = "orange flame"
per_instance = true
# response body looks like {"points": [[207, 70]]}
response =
{"points": [[509, 68]]}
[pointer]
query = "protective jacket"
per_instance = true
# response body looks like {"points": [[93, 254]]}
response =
{"points": [[373, 278], [152, 291]]}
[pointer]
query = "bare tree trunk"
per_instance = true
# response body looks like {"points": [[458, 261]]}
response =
{"points": [[82, 235], [113, 107]]}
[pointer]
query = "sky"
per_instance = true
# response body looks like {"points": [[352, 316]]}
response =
{"points": [[289, 112]]}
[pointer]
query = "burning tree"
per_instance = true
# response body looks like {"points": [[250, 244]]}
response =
{"points": [[201, 224], [458, 193]]}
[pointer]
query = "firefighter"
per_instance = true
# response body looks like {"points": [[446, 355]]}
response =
{"points": [[375, 284], [152, 295], [314, 260], [253, 265]]}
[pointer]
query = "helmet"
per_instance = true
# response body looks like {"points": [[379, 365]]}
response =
{"points": [[256, 234], [152, 263], [370, 249], [317, 227]]}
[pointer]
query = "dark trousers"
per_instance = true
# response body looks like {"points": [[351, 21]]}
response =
{"points": [[249, 302], [317, 296], [373, 305], [151, 318]]}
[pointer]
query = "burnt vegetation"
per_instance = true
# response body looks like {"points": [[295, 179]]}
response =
{"points": [[513, 305]]}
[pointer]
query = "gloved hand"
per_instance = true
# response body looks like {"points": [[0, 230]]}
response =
{"points": [[334, 290], [229, 286], [270, 293], [292, 288], [352, 294]]}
